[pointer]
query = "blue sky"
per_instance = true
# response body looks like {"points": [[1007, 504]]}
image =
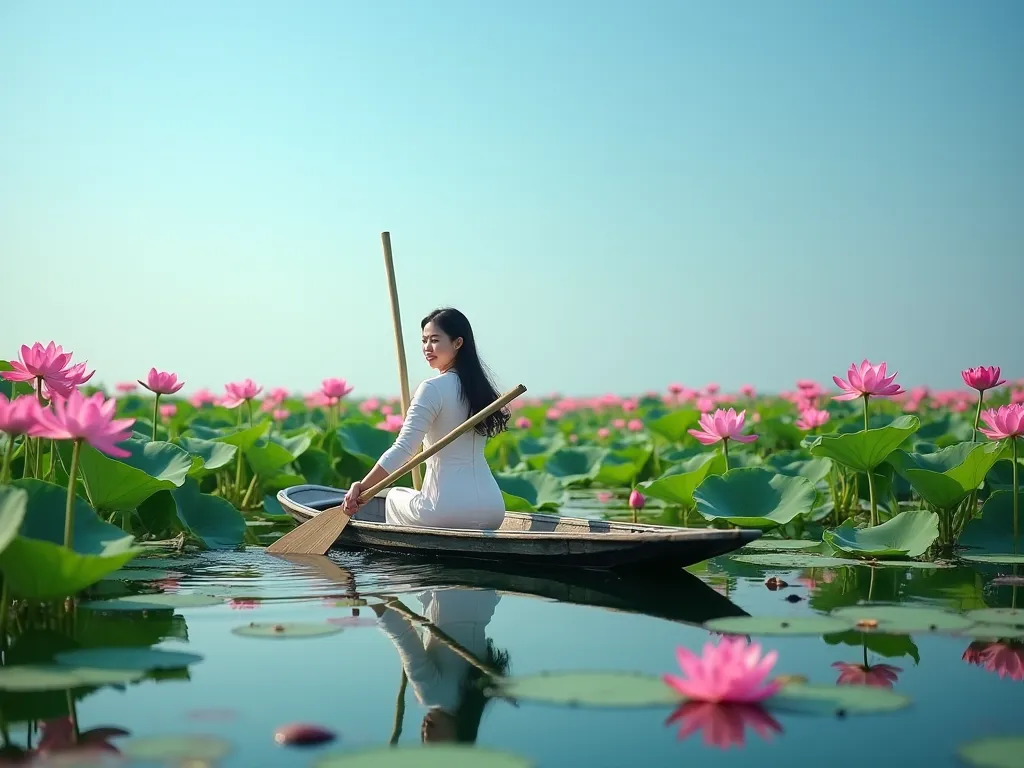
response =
{"points": [[619, 195]]}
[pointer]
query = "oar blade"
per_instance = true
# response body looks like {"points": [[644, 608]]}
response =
{"points": [[313, 537]]}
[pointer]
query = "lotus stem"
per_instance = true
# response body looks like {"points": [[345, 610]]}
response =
{"points": [[156, 414], [237, 491], [249, 490], [69, 510], [977, 414], [866, 422], [39, 440], [725, 452], [4, 601], [53, 460], [1016, 495], [871, 493], [6, 471], [249, 405]]}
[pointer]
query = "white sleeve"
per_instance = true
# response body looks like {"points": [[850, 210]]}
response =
{"points": [[420, 669], [425, 405]]}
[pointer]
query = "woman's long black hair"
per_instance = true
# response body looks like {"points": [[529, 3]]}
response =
{"points": [[477, 390]]}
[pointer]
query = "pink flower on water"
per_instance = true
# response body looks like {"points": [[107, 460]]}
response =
{"points": [[126, 387], [603, 432], [239, 392], [85, 418], [732, 671], [387, 410], [619, 423], [19, 416], [634, 425], [723, 425], [1017, 397], [161, 382], [335, 388], [982, 378], [523, 423], [877, 675], [747, 390], [202, 397], [554, 414], [605, 496], [711, 388], [628, 406], [277, 395], [636, 499], [369, 406], [393, 423], [1005, 421], [168, 410], [867, 380], [811, 418], [676, 389], [723, 725]]}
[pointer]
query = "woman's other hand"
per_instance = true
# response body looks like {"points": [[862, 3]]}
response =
{"points": [[352, 502]]}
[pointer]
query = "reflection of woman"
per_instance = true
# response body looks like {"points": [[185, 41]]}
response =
{"points": [[449, 686]]}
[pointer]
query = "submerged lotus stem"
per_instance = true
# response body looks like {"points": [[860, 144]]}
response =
{"points": [[156, 414], [69, 510], [6, 471]]}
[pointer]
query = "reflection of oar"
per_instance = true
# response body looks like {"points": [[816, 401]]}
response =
{"points": [[315, 536]]}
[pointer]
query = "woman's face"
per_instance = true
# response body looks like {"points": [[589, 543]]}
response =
{"points": [[438, 348]]}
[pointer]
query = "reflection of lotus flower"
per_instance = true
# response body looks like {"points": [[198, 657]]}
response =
{"points": [[732, 671], [982, 377], [85, 418], [866, 380], [723, 725], [1005, 658], [877, 675]]}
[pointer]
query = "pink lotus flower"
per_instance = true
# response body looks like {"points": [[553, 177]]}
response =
{"points": [[605, 496], [126, 387], [811, 419], [619, 423], [747, 390], [39, 364], [240, 392], [202, 397], [161, 382], [711, 388], [867, 380], [982, 378], [317, 400], [335, 388], [628, 406], [387, 410], [74, 377], [168, 411], [1017, 397], [277, 395], [393, 423], [676, 389], [603, 433], [553, 414], [85, 418], [634, 425], [19, 416], [723, 425], [732, 671], [369, 406], [523, 423], [705, 404], [723, 725], [1003, 422], [878, 675], [636, 499], [280, 414]]}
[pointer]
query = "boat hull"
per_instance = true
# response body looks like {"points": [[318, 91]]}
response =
{"points": [[525, 538]]}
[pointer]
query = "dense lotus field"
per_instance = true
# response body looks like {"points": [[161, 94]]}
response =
{"points": [[866, 470]]}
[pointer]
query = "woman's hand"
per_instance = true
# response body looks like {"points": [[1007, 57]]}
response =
{"points": [[352, 502]]}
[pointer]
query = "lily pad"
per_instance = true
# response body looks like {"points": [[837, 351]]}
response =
{"points": [[995, 559], [678, 488], [943, 478], [782, 545], [157, 562], [993, 752], [167, 601], [286, 630], [530, 491], [364, 441], [622, 466], [210, 518], [754, 498], [992, 532], [575, 464], [779, 625], [816, 699], [673, 425], [793, 560], [908, 534], [863, 451], [590, 689], [45, 677], [1013, 617], [126, 658], [814, 469], [268, 455], [177, 749], [992, 632], [430, 756], [901, 619]]}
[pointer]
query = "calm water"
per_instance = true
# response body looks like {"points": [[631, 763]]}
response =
{"points": [[244, 688]]}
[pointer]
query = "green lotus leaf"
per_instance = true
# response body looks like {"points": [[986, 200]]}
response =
{"points": [[673, 425], [908, 534], [622, 466], [208, 455], [754, 498], [286, 630], [575, 464], [1013, 617], [161, 602], [590, 689], [865, 450], [177, 750], [240, 437], [900, 619], [814, 469], [678, 488], [943, 478], [122, 484], [793, 560], [530, 491], [143, 659], [774, 625], [211, 519], [46, 677], [364, 441], [426, 756], [830, 700]]}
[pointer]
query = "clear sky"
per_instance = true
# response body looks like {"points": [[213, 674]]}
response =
{"points": [[618, 194]]}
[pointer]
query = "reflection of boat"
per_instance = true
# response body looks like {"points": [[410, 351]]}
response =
{"points": [[523, 537]]}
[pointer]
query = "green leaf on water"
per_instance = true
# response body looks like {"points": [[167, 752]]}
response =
{"points": [[590, 689], [995, 559], [673, 425], [943, 478], [781, 545], [793, 560], [908, 534], [890, 646], [364, 441], [46, 677], [992, 532], [240, 437], [863, 451], [1013, 617], [143, 659], [286, 630], [621, 467], [269, 455], [993, 752], [901, 619], [814, 469], [210, 518], [678, 488], [575, 464], [426, 756], [831, 700], [177, 750], [754, 498], [537, 489], [167, 601], [776, 625]]}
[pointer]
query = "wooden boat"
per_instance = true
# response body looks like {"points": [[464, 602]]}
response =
{"points": [[523, 537]]}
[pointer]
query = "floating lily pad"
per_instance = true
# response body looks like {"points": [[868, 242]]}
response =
{"points": [[993, 752], [126, 658], [992, 632], [178, 749], [779, 625], [157, 562], [995, 559], [162, 602], [137, 574], [782, 545], [432, 756], [286, 630], [908, 534], [346, 602], [1013, 617], [811, 699], [902, 619], [46, 677], [794, 560], [754, 497], [591, 689]]}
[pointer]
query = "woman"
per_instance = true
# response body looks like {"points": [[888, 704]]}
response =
{"points": [[459, 490]]}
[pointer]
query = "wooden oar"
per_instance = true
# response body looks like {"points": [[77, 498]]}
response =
{"points": [[396, 320], [315, 536]]}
